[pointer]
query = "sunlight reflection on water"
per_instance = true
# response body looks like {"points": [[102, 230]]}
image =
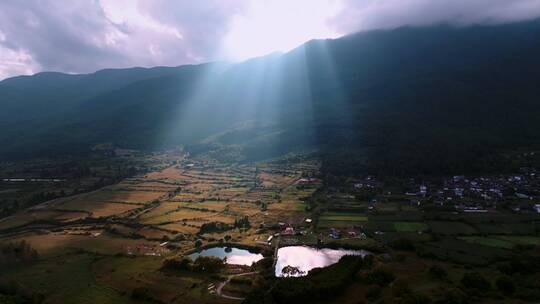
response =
{"points": [[235, 256], [307, 258]]}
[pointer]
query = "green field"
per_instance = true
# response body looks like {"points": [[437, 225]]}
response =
{"points": [[352, 217], [336, 219], [521, 240], [410, 226], [488, 241], [451, 228]]}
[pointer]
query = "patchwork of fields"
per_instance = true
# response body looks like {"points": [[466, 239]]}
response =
{"points": [[149, 217]]}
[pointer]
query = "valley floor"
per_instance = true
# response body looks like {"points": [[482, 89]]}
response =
{"points": [[108, 245]]}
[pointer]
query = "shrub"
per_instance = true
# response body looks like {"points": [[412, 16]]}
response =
{"points": [[505, 284], [320, 283], [214, 227], [381, 276], [373, 292], [141, 293], [403, 244], [242, 223], [208, 264], [475, 280], [438, 272], [19, 252], [453, 296], [241, 280], [400, 288], [415, 299], [174, 264]]}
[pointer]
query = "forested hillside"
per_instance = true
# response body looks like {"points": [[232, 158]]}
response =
{"points": [[422, 99]]}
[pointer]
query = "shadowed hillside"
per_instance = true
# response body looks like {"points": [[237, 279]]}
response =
{"points": [[431, 99]]}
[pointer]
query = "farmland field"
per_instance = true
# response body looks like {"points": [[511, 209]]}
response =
{"points": [[451, 228], [410, 226], [488, 241], [117, 238]]}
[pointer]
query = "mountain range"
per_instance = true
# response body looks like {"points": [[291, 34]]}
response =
{"points": [[413, 99]]}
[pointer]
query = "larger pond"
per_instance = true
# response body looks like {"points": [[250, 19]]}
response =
{"points": [[299, 260], [234, 256]]}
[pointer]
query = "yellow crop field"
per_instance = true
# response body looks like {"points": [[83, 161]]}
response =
{"points": [[98, 209]]}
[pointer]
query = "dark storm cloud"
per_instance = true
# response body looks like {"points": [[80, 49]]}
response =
{"points": [[55, 35], [83, 35], [377, 14]]}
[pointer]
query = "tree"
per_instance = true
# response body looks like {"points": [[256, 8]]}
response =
{"points": [[438, 272], [475, 280], [184, 263], [505, 284], [381, 276], [208, 264], [242, 223]]}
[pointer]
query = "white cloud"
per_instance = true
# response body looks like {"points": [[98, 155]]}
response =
{"points": [[377, 14], [16, 63], [83, 36], [280, 25]]}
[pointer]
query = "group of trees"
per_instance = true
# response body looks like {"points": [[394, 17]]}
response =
{"points": [[242, 223], [14, 293], [320, 283], [206, 264], [214, 227], [19, 252]]}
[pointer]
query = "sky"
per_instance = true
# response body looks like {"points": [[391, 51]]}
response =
{"points": [[82, 36]]}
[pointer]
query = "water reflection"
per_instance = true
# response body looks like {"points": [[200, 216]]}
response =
{"points": [[298, 260], [235, 256]]}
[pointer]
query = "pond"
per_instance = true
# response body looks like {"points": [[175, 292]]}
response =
{"points": [[234, 256], [299, 260]]}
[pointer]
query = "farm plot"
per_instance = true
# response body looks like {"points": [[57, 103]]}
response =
{"points": [[133, 197], [16, 220], [336, 219], [145, 186], [181, 227], [488, 241], [451, 228], [507, 228], [228, 193], [161, 209], [521, 239], [258, 194], [178, 215], [99, 209], [503, 241], [271, 180], [410, 226], [171, 175], [66, 280], [241, 209], [347, 206], [461, 251], [155, 234], [59, 243]]}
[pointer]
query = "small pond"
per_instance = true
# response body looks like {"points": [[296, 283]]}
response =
{"points": [[234, 256], [299, 260]]}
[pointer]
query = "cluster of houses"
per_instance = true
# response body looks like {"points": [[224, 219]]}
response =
{"points": [[519, 192], [287, 230], [484, 193]]}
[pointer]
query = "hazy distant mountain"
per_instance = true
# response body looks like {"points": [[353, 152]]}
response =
{"points": [[427, 99]]}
